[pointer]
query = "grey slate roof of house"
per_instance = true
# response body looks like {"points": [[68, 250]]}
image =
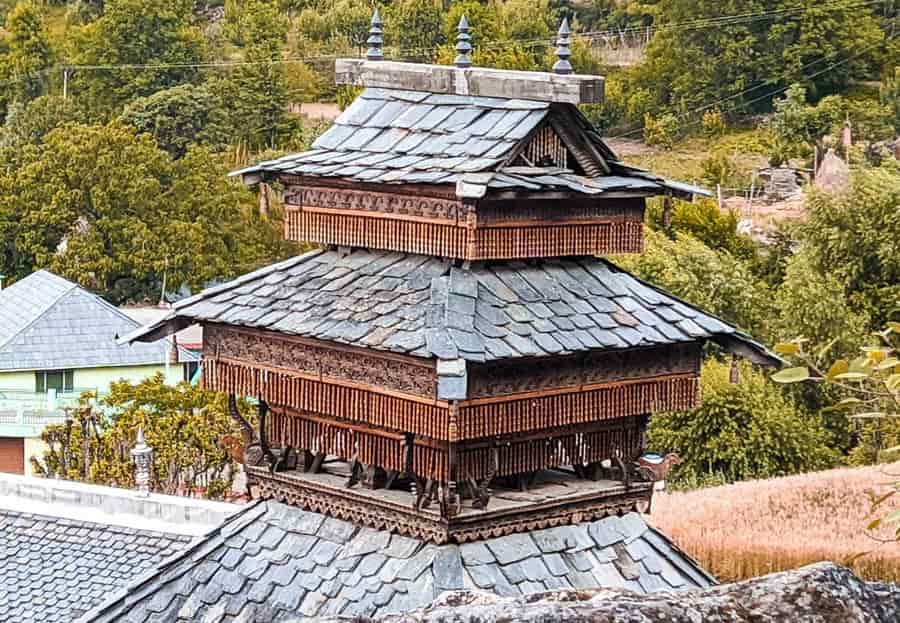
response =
{"points": [[275, 563], [421, 306], [47, 322], [53, 570], [397, 136]]}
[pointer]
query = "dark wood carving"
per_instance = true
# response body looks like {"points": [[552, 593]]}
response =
{"points": [[521, 376], [366, 201], [426, 524], [268, 348]]}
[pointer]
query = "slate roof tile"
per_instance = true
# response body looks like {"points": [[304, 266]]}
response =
{"points": [[403, 574], [53, 569], [485, 312]]}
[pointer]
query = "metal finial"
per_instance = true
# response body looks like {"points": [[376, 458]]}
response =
{"points": [[463, 44], [142, 455], [376, 39], [563, 66]]}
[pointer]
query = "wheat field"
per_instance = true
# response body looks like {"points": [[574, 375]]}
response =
{"points": [[752, 528]]}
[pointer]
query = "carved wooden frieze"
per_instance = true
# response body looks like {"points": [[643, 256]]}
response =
{"points": [[504, 378], [493, 213], [366, 201], [357, 366]]}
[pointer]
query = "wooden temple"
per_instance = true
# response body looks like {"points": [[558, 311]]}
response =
{"points": [[456, 360]]}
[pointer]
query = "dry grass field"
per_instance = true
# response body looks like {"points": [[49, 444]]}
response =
{"points": [[752, 528]]}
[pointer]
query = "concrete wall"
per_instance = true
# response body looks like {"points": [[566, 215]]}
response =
{"points": [[22, 381], [96, 378]]}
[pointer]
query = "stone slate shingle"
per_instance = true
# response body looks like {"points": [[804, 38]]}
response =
{"points": [[395, 136], [491, 311], [47, 323], [202, 583], [53, 570]]}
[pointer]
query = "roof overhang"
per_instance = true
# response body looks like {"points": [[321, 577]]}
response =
{"points": [[479, 81]]}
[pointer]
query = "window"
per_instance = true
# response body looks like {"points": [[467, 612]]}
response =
{"points": [[60, 380], [190, 369]]}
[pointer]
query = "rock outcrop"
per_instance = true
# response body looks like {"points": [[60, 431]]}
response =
{"points": [[819, 593]]}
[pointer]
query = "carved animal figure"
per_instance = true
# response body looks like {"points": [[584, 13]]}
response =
{"points": [[656, 467]]}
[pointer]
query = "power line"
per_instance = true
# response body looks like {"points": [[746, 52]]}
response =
{"points": [[407, 52], [774, 91]]}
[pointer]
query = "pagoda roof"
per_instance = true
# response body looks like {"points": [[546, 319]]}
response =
{"points": [[425, 307], [395, 136], [274, 563]]}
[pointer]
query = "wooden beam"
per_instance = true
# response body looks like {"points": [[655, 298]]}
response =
{"points": [[479, 81]]}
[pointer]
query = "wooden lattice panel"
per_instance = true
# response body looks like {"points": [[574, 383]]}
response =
{"points": [[546, 148], [386, 412], [558, 240], [459, 241], [624, 439], [513, 414], [566, 408], [392, 234]]}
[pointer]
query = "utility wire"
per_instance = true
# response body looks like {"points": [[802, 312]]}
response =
{"points": [[773, 92], [407, 52]]}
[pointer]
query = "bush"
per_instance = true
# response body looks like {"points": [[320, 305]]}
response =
{"points": [[660, 131], [713, 123], [713, 280], [719, 169], [742, 431]]}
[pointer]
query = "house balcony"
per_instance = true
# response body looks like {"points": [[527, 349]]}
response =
{"points": [[26, 414]]}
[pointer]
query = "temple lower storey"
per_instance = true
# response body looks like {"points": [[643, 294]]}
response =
{"points": [[554, 498]]}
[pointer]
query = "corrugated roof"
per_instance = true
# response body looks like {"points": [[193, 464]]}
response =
{"points": [[54, 570], [274, 563], [47, 323], [422, 306], [394, 136]]}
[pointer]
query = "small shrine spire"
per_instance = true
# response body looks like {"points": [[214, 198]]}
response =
{"points": [[563, 66], [142, 455], [463, 44], [376, 39]]}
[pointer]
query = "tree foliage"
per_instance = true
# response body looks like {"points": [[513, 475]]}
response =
{"points": [[180, 117], [750, 429], [136, 32], [855, 238], [713, 280], [185, 426], [687, 67], [107, 208], [25, 55]]}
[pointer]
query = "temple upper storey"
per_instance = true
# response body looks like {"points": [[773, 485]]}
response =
{"points": [[469, 164]]}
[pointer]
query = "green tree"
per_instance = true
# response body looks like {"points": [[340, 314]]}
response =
{"points": [[28, 123], [713, 280], [25, 55], [686, 68], [413, 26], [855, 238], [107, 208], [179, 117], [186, 427], [136, 32], [814, 304], [744, 430], [256, 96]]}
